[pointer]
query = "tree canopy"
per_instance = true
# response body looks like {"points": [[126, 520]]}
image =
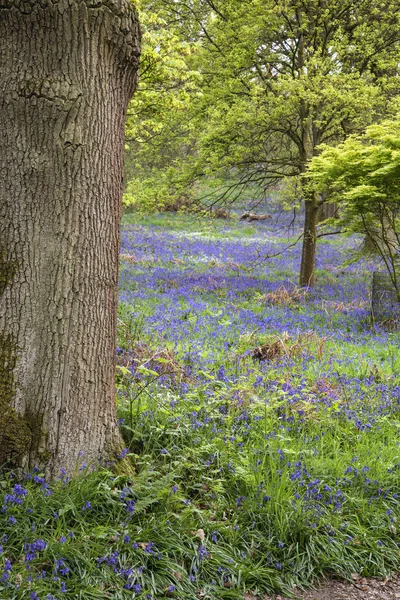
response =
{"points": [[247, 91], [363, 176]]}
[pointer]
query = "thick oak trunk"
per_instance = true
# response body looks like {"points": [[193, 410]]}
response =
{"points": [[67, 71]]}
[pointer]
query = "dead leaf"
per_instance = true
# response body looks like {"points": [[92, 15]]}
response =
{"points": [[200, 534]]}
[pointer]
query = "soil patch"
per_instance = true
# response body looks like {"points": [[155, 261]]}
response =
{"points": [[360, 589]]}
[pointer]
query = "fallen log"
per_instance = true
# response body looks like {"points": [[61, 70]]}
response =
{"points": [[248, 216]]}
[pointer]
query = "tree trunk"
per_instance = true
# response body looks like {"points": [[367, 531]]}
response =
{"points": [[307, 268], [328, 210], [67, 69]]}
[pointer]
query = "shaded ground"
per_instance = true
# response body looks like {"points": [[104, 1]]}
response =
{"points": [[360, 589]]}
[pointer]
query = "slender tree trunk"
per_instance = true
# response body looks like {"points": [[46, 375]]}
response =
{"points": [[307, 268], [67, 70], [328, 210]]}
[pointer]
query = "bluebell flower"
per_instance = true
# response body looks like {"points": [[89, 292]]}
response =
{"points": [[123, 453]]}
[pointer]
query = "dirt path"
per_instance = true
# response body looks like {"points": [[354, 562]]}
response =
{"points": [[359, 589]]}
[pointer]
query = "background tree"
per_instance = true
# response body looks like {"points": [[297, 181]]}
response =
{"points": [[277, 79], [157, 130], [68, 69], [363, 176]]}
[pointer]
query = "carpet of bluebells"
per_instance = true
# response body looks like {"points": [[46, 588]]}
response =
{"points": [[261, 422]]}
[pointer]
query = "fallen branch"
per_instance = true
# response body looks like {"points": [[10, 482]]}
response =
{"points": [[248, 216]]}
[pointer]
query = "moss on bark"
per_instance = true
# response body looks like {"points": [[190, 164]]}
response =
{"points": [[15, 434], [124, 467], [7, 272]]}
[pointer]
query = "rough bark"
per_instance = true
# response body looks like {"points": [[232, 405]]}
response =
{"points": [[67, 70]]}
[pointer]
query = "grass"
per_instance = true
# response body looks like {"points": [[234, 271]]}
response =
{"points": [[252, 475]]}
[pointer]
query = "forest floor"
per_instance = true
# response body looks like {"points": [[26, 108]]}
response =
{"points": [[226, 293], [261, 421], [361, 589]]}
